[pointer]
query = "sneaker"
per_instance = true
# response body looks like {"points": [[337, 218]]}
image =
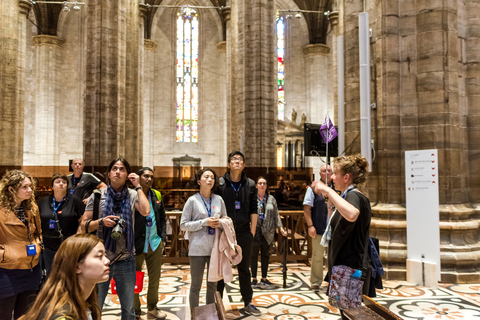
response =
{"points": [[267, 285], [315, 287], [252, 310], [254, 284], [156, 314]]}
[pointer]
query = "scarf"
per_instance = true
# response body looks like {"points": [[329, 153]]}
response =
{"points": [[125, 213]]}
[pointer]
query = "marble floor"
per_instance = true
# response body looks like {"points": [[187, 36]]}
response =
{"points": [[298, 302]]}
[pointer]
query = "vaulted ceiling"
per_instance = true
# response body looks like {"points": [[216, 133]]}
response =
{"points": [[46, 16]]}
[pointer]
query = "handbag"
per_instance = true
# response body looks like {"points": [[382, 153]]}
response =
{"points": [[139, 275], [346, 284], [43, 268]]}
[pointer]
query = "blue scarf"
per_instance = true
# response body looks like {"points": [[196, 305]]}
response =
{"points": [[126, 214]]}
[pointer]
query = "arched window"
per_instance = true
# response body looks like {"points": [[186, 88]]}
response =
{"points": [[187, 75], [281, 67]]}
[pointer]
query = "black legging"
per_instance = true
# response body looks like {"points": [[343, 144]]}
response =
{"points": [[18, 304], [262, 246]]}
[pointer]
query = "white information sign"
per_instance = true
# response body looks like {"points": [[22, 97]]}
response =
{"points": [[422, 202]]}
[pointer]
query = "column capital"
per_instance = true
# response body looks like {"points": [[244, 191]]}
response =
{"points": [[222, 46], [226, 14], [25, 6], [47, 40], [143, 10], [150, 45], [333, 17], [316, 49]]}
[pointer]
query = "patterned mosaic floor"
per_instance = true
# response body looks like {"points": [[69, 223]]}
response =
{"points": [[298, 302]]}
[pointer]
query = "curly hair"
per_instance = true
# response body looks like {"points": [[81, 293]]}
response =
{"points": [[356, 166], [14, 179]]}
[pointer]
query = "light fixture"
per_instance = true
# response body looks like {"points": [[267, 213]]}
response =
{"points": [[298, 15], [76, 7], [66, 8]]}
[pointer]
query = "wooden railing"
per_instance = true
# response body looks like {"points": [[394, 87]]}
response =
{"points": [[298, 243]]}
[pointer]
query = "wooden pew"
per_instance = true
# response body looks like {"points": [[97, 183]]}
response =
{"points": [[371, 310], [212, 311]]}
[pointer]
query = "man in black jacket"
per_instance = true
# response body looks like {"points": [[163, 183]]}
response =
{"points": [[150, 238], [240, 196]]}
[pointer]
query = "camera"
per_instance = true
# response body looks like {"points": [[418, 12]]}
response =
{"points": [[118, 228]]}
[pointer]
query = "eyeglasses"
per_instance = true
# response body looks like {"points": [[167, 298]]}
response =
{"points": [[239, 159]]}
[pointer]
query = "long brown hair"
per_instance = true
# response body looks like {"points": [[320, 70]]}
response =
{"points": [[61, 294], [14, 179]]}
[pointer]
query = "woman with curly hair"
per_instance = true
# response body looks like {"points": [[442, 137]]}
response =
{"points": [[20, 244], [68, 294], [350, 214]]}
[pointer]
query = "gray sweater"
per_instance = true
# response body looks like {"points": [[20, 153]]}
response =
{"points": [[194, 221], [271, 221]]}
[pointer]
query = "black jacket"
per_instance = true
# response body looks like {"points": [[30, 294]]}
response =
{"points": [[141, 222], [247, 195]]}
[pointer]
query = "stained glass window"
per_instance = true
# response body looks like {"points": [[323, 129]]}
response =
{"points": [[187, 75], [281, 67]]}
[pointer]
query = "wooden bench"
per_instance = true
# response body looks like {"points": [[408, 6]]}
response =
{"points": [[371, 310], [211, 311]]}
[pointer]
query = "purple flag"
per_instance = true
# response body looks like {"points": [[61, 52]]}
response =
{"points": [[327, 131]]}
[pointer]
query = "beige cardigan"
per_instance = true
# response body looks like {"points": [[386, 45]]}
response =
{"points": [[225, 252]]}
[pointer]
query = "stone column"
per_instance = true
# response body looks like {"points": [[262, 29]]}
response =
{"points": [[149, 94], [46, 124], [11, 113], [256, 79], [104, 121]]}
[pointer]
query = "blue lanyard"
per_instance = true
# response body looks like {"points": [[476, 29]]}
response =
{"points": [[56, 208], [209, 210], [261, 202], [236, 190], [350, 188], [75, 180]]}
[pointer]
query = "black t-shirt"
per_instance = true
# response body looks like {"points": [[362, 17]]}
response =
{"points": [[69, 212], [84, 188], [348, 238]]}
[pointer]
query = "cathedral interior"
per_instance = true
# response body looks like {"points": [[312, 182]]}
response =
{"points": [[177, 84]]}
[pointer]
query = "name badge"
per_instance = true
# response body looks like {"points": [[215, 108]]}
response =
{"points": [[261, 216], [51, 224], [71, 191], [149, 222], [211, 230], [237, 205], [31, 250]]}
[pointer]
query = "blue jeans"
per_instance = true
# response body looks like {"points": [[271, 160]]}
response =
{"points": [[124, 274]]}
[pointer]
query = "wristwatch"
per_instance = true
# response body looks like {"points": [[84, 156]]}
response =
{"points": [[138, 188]]}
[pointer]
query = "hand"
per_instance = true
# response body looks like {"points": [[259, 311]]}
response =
{"points": [[212, 222], [284, 232], [135, 179], [108, 221], [85, 201], [312, 232], [319, 187]]}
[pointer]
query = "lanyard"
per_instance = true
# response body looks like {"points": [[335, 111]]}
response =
{"points": [[209, 210], [261, 202], [55, 208], [350, 188], [236, 190], [75, 180]]}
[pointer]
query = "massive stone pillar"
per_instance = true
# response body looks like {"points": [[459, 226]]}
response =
{"points": [[415, 75], [12, 53], [253, 86], [46, 112], [111, 111], [149, 91]]}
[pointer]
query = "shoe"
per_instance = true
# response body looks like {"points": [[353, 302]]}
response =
{"points": [[252, 310], [156, 314], [315, 287], [254, 284], [267, 285]]}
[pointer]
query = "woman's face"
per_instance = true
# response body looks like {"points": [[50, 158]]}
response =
{"points": [[262, 185], [340, 181], [207, 180], [60, 185], [94, 268], [25, 191]]}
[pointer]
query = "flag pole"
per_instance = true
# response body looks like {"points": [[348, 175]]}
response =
{"points": [[326, 153]]}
